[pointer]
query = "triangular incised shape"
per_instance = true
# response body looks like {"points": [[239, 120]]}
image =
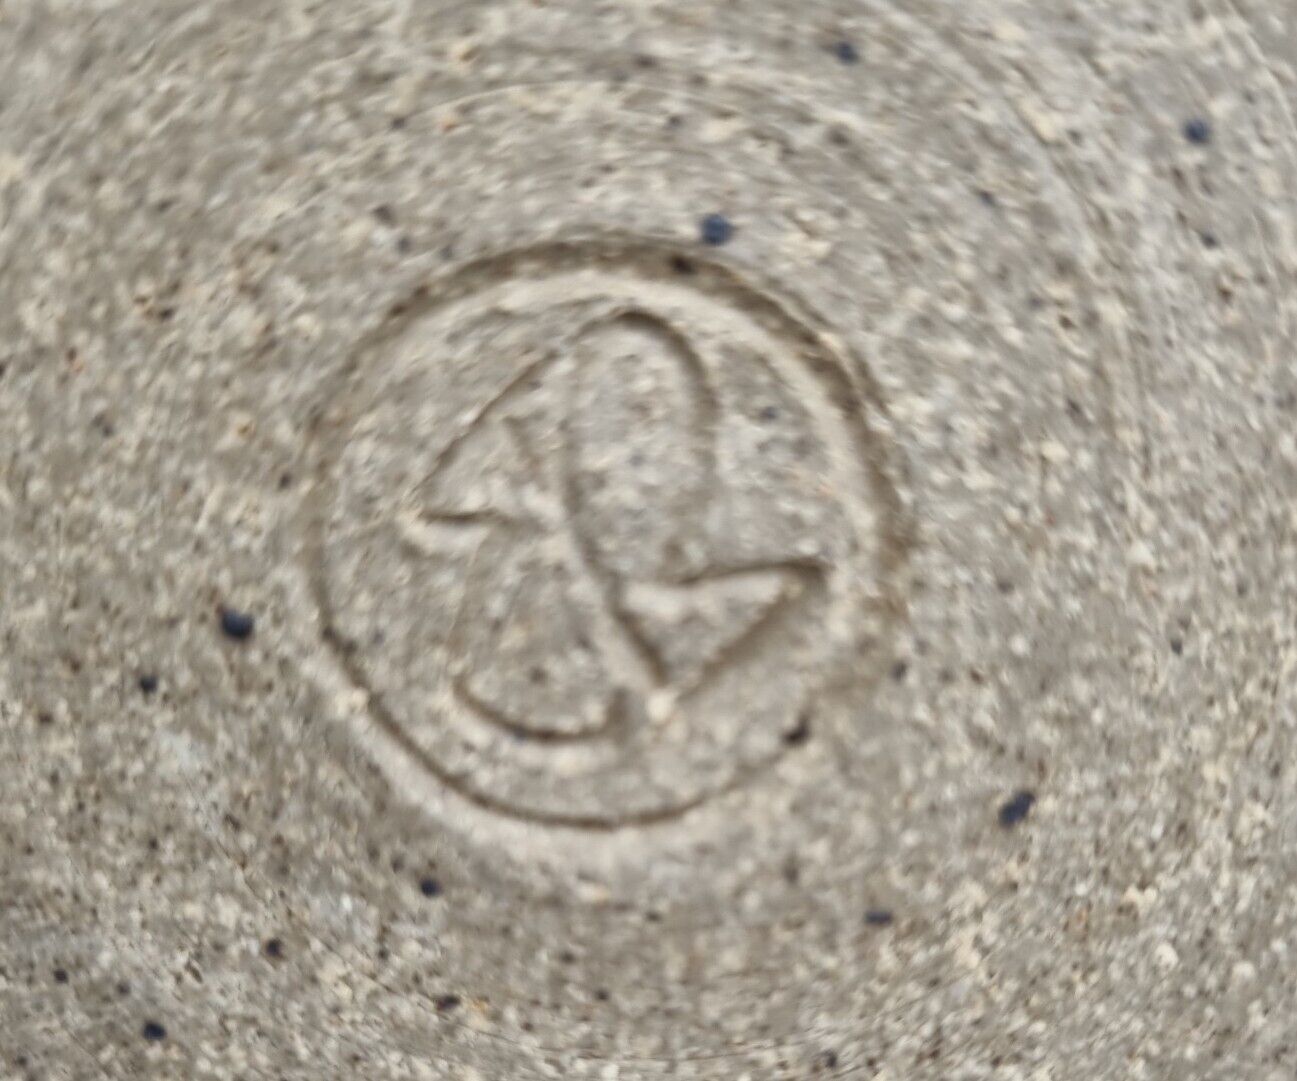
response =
{"points": [[691, 626]]}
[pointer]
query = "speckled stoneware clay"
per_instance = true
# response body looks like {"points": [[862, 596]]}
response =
{"points": [[643, 540]]}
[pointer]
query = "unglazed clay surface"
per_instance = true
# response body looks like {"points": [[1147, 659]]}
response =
{"points": [[643, 540]]}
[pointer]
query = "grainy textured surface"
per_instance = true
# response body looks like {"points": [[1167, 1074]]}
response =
{"points": [[647, 540]]}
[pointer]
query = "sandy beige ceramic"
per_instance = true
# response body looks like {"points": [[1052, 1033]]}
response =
{"points": [[647, 540]]}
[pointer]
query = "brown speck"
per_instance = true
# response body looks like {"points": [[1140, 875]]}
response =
{"points": [[799, 733]]}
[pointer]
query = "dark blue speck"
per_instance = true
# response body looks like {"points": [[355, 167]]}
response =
{"points": [[846, 52], [878, 917], [430, 887], [236, 624], [1197, 131], [153, 1031], [716, 229], [1016, 808]]}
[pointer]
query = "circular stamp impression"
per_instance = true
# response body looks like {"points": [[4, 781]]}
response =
{"points": [[598, 530]]}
